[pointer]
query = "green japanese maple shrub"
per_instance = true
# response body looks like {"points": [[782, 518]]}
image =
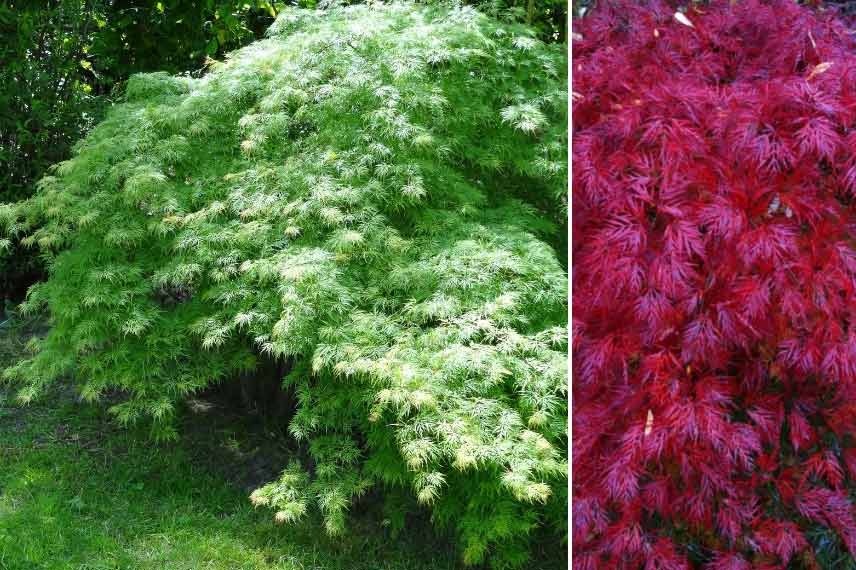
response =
{"points": [[368, 197]]}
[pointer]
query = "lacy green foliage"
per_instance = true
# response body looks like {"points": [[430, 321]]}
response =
{"points": [[346, 196]]}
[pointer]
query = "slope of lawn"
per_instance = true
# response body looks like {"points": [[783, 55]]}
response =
{"points": [[76, 492]]}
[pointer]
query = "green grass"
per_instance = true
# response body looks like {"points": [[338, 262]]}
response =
{"points": [[76, 492]]}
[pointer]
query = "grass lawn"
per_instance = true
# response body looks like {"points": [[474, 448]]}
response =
{"points": [[76, 492]]}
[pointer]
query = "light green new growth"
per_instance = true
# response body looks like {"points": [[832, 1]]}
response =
{"points": [[355, 195]]}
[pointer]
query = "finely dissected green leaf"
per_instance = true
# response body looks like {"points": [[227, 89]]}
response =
{"points": [[357, 196]]}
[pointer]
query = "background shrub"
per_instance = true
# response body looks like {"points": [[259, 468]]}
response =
{"points": [[60, 61], [367, 198], [714, 285]]}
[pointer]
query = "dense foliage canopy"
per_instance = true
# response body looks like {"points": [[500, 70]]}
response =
{"points": [[367, 198], [61, 62], [714, 282]]}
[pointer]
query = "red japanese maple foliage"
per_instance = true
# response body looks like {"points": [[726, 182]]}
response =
{"points": [[714, 272]]}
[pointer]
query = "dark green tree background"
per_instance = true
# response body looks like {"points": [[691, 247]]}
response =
{"points": [[62, 62]]}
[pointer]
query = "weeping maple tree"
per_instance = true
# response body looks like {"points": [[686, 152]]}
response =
{"points": [[367, 198], [714, 155]]}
